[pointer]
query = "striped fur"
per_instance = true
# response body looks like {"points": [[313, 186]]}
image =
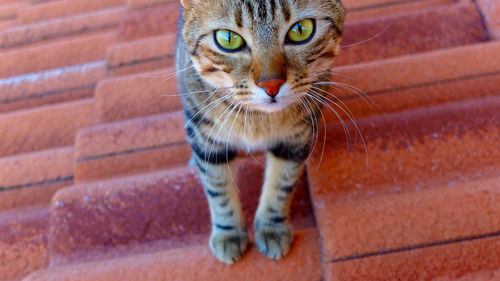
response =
{"points": [[226, 112]]}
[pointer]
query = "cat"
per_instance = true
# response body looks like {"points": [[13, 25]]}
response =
{"points": [[252, 75]]}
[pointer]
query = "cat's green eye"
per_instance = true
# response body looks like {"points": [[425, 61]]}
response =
{"points": [[228, 40], [301, 32]]}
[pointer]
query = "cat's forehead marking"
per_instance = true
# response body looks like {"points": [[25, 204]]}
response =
{"points": [[263, 17]]}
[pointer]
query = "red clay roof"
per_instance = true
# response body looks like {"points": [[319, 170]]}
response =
{"points": [[93, 175]]}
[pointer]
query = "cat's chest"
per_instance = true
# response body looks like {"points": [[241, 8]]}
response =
{"points": [[253, 132]]}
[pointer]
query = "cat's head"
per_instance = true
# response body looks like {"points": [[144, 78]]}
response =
{"points": [[264, 53]]}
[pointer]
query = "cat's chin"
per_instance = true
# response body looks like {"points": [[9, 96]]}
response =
{"points": [[269, 108]]}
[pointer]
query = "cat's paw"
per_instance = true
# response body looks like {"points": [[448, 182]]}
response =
{"points": [[274, 242], [229, 247]]}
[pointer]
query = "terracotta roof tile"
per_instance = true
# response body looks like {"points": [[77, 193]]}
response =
{"points": [[60, 8], [50, 86], [33, 178], [137, 95], [128, 144], [302, 265], [393, 7], [84, 113], [140, 51], [60, 27], [23, 242], [415, 149], [150, 22], [443, 27], [149, 207], [83, 49], [426, 263], [141, 4], [55, 126], [491, 12]]}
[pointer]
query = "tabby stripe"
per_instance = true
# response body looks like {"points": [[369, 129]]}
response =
{"points": [[287, 189], [224, 227], [249, 8], [195, 50], [215, 58], [214, 194], [285, 10], [271, 210], [278, 219], [214, 158], [190, 132], [209, 69], [262, 10], [290, 152], [200, 167], [273, 9], [238, 18], [337, 28], [224, 203], [196, 119]]}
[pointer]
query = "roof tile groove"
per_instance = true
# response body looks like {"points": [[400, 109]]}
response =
{"points": [[116, 212], [402, 6], [432, 29], [149, 49], [137, 95], [61, 8], [415, 149], [89, 48], [129, 146], [24, 135], [90, 123], [50, 86], [364, 40], [141, 4], [421, 264], [436, 162], [60, 27], [303, 264], [33, 178]]}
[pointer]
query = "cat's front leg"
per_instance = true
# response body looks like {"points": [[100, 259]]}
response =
{"points": [[273, 233], [229, 238]]}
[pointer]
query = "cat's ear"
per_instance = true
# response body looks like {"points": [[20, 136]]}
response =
{"points": [[188, 3]]}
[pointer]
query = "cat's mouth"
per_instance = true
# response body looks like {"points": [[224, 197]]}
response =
{"points": [[263, 102], [272, 105]]}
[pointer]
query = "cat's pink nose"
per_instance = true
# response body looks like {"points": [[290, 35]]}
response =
{"points": [[272, 86]]}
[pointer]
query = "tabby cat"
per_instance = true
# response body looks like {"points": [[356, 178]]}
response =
{"points": [[252, 76]]}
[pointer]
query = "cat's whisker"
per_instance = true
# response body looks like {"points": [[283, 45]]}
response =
{"points": [[330, 72], [169, 75], [365, 97], [313, 141], [324, 135], [217, 101], [197, 92], [335, 97], [332, 110], [315, 136], [227, 141], [213, 127], [327, 103], [186, 94], [210, 134], [358, 130], [233, 107], [245, 136], [369, 39]]}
